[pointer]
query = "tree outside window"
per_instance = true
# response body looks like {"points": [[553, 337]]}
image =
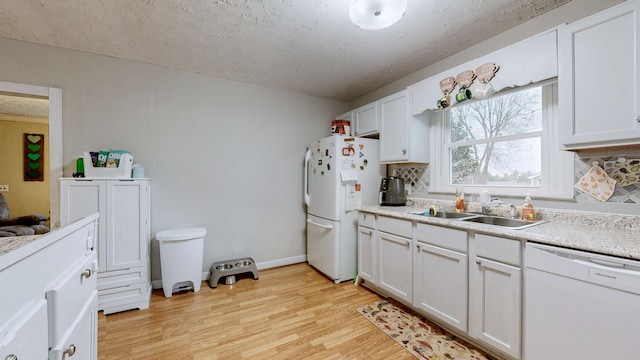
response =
{"points": [[497, 142]]}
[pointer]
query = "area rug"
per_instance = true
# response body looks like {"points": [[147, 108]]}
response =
{"points": [[421, 337]]}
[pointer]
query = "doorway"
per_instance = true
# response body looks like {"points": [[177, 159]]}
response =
{"points": [[32, 109]]}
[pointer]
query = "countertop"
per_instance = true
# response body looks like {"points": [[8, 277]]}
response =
{"points": [[603, 233], [15, 248]]}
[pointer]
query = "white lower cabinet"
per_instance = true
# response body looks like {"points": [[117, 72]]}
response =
{"points": [[395, 257], [81, 339], [367, 248], [54, 314], [470, 283], [26, 336], [495, 288], [440, 274]]}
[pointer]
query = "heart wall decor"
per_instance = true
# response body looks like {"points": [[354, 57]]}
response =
{"points": [[33, 157]]}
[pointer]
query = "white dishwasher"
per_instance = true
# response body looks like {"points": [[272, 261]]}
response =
{"points": [[580, 305]]}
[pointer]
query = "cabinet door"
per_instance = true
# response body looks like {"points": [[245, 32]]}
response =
{"points": [[394, 128], [26, 336], [395, 263], [81, 339], [127, 224], [83, 197], [494, 305], [367, 254], [440, 284], [598, 79], [366, 119]]}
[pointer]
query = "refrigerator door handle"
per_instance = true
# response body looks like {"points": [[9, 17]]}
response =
{"points": [[319, 225], [307, 157]]}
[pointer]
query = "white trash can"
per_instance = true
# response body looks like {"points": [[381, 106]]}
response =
{"points": [[181, 252]]}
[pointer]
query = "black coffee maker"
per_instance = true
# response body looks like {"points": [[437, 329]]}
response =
{"points": [[392, 192]]}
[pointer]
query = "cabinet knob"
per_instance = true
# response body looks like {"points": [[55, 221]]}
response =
{"points": [[418, 246], [71, 350], [86, 273], [638, 119], [404, 151], [11, 357], [478, 262], [407, 243]]}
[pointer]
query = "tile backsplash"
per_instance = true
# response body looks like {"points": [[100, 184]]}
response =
{"points": [[418, 177]]}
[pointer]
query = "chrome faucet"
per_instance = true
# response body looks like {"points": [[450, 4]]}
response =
{"points": [[512, 211], [493, 203]]}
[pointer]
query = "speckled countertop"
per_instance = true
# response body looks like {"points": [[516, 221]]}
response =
{"points": [[604, 233], [9, 244]]}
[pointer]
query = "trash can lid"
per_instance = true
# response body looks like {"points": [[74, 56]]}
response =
{"points": [[181, 234]]}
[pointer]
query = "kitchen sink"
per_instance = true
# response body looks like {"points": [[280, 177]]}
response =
{"points": [[448, 215], [503, 222]]}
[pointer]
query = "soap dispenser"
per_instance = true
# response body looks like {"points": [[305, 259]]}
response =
{"points": [[528, 211], [459, 201]]}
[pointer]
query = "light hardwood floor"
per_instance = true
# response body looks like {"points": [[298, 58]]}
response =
{"points": [[291, 312]]}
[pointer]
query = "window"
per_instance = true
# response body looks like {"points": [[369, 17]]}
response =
{"points": [[507, 144]]}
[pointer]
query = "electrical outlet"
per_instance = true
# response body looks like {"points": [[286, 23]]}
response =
{"points": [[4, 188]]}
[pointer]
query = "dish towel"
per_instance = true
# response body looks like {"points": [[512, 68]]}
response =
{"points": [[596, 183], [625, 172]]}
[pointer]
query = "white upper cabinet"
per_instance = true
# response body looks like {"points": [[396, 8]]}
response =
{"points": [[598, 79], [366, 119], [403, 138]]}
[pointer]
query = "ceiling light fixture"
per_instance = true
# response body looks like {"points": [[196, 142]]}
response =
{"points": [[376, 14]]}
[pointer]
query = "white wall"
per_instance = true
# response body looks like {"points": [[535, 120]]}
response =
{"points": [[222, 154]]}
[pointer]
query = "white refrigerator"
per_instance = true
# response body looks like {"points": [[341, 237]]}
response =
{"points": [[341, 173]]}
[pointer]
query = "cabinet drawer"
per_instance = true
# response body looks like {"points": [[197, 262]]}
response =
{"points": [[122, 295], [499, 249], [443, 237], [395, 226], [80, 340], [26, 335], [367, 219], [119, 278], [69, 294]]}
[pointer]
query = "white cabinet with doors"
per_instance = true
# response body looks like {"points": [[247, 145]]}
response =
{"points": [[366, 120], [395, 239], [48, 310], [403, 138], [367, 248], [495, 292], [599, 79], [440, 274], [123, 236]]}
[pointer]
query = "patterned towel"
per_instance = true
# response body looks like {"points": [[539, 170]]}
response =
{"points": [[596, 183]]}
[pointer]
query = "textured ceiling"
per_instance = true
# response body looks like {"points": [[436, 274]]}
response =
{"points": [[309, 47]]}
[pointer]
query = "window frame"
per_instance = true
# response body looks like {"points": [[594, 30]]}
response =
{"points": [[553, 159]]}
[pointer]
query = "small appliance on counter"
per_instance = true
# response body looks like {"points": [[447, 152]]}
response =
{"points": [[392, 192]]}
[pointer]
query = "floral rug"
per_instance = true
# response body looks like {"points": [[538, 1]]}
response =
{"points": [[421, 337]]}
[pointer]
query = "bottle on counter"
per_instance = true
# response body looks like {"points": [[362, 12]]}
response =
{"points": [[528, 211], [459, 201]]}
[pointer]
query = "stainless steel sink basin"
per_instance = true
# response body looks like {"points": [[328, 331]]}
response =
{"points": [[513, 224], [448, 215]]}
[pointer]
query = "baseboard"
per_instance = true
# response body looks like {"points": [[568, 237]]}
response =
{"points": [[157, 284]]}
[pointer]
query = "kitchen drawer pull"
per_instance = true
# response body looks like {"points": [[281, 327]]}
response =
{"points": [[86, 273], [71, 350], [11, 357]]}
